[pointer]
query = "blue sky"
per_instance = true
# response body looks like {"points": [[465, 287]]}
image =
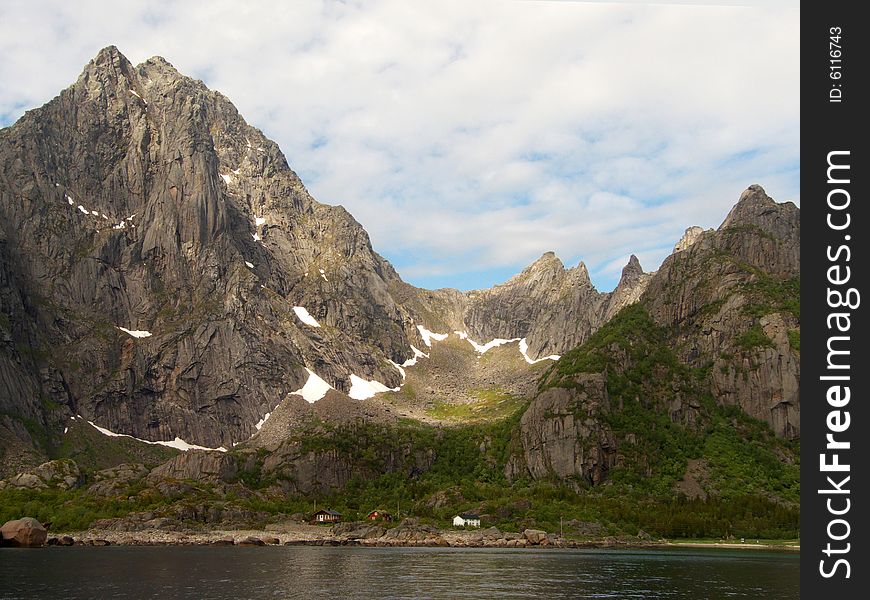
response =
{"points": [[470, 138]]}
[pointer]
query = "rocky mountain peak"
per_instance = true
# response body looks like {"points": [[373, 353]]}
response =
{"points": [[632, 270], [754, 207], [109, 56], [689, 237], [548, 262], [631, 286]]}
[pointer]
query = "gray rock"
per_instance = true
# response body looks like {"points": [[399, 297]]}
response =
{"points": [[63, 474], [26, 532], [535, 536]]}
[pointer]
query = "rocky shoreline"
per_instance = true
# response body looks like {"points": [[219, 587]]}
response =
{"points": [[407, 534]]}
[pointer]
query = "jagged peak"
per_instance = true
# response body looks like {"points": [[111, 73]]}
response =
{"points": [[632, 269], [161, 65], [111, 60], [753, 202], [109, 54], [580, 274], [690, 236], [548, 260]]}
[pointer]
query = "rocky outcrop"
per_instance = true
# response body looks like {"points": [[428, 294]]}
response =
{"points": [[25, 533], [554, 308], [202, 466], [689, 237], [561, 436], [358, 531], [108, 482], [732, 297], [725, 305], [62, 474]]}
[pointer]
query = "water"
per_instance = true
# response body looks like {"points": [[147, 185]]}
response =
{"points": [[345, 572]]}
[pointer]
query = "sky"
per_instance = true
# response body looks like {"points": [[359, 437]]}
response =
{"points": [[471, 137]]}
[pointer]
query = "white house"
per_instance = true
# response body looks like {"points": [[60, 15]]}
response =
{"points": [[466, 520]]}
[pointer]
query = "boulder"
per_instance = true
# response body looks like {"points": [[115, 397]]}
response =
{"points": [[358, 531], [26, 533], [250, 541], [534, 536]]}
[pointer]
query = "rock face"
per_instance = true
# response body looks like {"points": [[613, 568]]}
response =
{"points": [[25, 533], [554, 308], [137, 199], [63, 474], [725, 307], [560, 437], [733, 297]]}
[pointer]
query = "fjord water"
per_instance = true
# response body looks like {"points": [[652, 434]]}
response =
{"points": [[325, 572]]}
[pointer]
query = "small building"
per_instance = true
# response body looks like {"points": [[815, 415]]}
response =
{"points": [[466, 520], [326, 516], [379, 515]]}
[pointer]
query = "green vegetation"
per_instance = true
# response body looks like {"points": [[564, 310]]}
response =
{"points": [[658, 410], [768, 295], [489, 405], [794, 339], [754, 337]]}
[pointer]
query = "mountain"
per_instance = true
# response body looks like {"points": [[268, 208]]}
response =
{"points": [[138, 200], [716, 329], [168, 287]]}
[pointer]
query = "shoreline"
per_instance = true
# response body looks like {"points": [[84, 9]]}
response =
{"points": [[401, 536]]}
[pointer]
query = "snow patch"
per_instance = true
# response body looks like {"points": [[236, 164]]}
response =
{"points": [[70, 200], [138, 96], [177, 443], [250, 265], [228, 179], [96, 213], [305, 316], [256, 237], [360, 389], [84, 210], [524, 349], [314, 389], [428, 336], [136, 333], [65, 429], [260, 221], [399, 367], [417, 354], [482, 348], [259, 424]]}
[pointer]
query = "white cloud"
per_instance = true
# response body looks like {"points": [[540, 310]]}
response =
{"points": [[475, 136]]}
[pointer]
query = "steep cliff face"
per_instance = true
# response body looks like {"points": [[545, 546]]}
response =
{"points": [[561, 437], [717, 326], [554, 308], [733, 300], [139, 199]]}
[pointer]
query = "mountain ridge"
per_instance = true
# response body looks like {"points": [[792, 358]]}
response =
{"points": [[192, 227]]}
